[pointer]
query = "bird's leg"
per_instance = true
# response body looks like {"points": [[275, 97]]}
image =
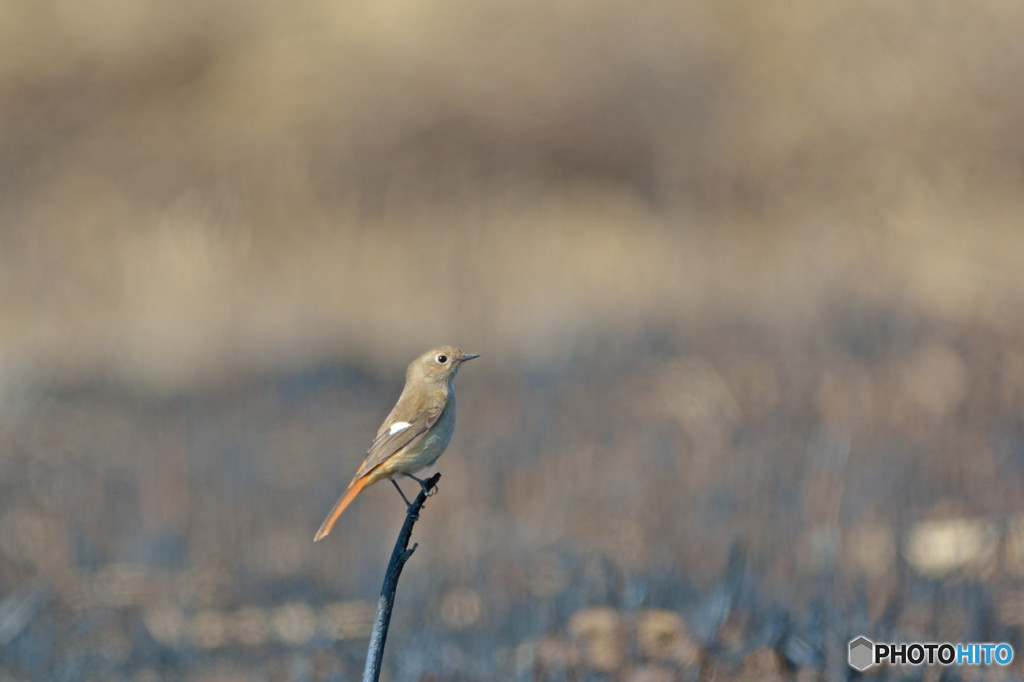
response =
{"points": [[429, 489], [399, 489]]}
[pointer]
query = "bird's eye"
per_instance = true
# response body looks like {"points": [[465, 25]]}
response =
{"points": [[442, 359]]}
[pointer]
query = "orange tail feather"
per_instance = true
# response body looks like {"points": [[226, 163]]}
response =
{"points": [[354, 489]]}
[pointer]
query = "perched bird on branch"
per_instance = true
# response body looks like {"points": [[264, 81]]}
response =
{"points": [[416, 432]]}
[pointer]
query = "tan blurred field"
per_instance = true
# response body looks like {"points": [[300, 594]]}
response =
{"points": [[746, 278]]}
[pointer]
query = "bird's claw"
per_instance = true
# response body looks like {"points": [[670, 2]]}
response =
{"points": [[428, 486]]}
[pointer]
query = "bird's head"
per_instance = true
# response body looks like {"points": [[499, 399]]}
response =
{"points": [[438, 365]]}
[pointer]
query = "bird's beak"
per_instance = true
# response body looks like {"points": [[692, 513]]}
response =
{"points": [[469, 356]]}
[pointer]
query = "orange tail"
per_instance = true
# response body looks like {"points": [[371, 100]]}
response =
{"points": [[353, 489]]}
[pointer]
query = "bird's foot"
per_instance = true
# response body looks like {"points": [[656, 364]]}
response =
{"points": [[429, 485]]}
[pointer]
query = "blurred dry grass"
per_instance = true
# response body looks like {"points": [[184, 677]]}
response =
{"points": [[744, 274]]}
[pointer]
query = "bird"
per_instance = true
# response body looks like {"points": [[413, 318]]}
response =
{"points": [[417, 430]]}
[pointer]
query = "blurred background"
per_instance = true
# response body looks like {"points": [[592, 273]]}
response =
{"points": [[747, 279]]}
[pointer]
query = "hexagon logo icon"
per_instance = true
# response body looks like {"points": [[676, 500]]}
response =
{"points": [[862, 652]]}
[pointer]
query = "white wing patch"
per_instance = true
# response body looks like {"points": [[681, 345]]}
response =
{"points": [[398, 426]]}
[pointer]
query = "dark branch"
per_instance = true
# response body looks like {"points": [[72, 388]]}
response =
{"points": [[386, 602]]}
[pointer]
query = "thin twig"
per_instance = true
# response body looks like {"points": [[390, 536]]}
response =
{"points": [[386, 602]]}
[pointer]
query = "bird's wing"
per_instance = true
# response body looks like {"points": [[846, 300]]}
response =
{"points": [[400, 435]]}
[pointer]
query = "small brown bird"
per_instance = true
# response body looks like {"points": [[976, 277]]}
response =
{"points": [[416, 432]]}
